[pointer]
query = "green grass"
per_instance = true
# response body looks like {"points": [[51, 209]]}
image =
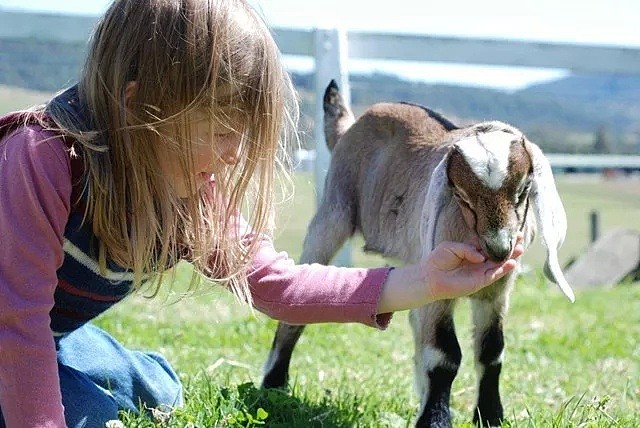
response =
{"points": [[566, 365]]}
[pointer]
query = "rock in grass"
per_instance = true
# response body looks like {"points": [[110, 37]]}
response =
{"points": [[609, 260]]}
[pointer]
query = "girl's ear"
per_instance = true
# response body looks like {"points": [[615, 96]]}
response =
{"points": [[129, 92]]}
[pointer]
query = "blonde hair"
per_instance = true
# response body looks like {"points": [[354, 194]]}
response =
{"points": [[185, 56]]}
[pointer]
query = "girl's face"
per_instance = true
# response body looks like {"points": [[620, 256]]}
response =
{"points": [[213, 146]]}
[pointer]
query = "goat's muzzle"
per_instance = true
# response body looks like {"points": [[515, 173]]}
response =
{"points": [[499, 244]]}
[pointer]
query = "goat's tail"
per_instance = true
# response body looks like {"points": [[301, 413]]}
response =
{"points": [[337, 115]]}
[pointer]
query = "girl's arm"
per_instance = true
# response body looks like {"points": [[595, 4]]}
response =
{"points": [[35, 189], [312, 293]]}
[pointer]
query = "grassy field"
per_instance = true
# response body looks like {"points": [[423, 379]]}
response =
{"points": [[566, 365]]}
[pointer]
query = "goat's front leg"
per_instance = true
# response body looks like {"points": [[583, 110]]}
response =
{"points": [[437, 359], [328, 230], [489, 347]]}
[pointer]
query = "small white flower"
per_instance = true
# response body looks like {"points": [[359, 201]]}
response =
{"points": [[114, 424], [160, 416]]}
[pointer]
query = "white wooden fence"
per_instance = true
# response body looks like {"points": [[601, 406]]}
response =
{"points": [[331, 49]]}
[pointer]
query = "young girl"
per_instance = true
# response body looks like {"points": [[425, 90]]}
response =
{"points": [[176, 126]]}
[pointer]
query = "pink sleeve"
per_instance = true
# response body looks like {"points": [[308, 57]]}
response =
{"points": [[35, 191], [314, 293]]}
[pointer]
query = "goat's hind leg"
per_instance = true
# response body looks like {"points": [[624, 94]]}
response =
{"points": [[437, 359], [329, 229], [489, 347], [277, 366]]}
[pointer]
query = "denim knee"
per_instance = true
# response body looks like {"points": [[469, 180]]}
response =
{"points": [[86, 404], [135, 379], [171, 394]]}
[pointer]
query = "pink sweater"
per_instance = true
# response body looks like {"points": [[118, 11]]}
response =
{"points": [[35, 194]]}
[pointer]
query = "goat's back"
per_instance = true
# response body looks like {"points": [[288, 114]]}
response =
{"points": [[400, 125], [384, 162]]}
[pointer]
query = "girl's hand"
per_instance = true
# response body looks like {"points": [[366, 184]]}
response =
{"points": [[455, 269], [452, 269]]}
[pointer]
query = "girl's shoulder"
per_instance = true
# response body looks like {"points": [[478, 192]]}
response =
{"points": [[33, 154], [26, 136]]}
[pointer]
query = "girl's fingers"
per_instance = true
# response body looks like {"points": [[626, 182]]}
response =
{"points": [[517, 251], [497, 272], [466, 252]]}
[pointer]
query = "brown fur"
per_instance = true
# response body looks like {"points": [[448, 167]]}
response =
{"points": [[380, 171]]}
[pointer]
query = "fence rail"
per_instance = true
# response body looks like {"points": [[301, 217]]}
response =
{"points": [[381, 46], [593, 163]]}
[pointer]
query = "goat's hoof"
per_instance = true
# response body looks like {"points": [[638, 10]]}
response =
{"points": [[494, 422], [434, 419], [274, 381]]}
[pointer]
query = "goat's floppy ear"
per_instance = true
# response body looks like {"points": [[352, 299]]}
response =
{"points": [[550, 216], [438, 194]]}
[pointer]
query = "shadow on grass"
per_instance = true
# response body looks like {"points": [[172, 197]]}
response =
{"points": [[284, 409], [245, 405]]}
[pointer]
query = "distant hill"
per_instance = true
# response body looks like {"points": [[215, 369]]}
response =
{"points": [[562, 116], [612, 99], [591, 88], [38, 65]]}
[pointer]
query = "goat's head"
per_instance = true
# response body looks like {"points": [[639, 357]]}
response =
{"points": [[496, 176]]}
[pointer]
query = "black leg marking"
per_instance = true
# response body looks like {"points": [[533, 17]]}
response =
{"points": [[489, 410], [436, 410], [277, 369]]}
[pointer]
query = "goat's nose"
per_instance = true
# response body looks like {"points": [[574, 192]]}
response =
{"points": [[499, 245]]}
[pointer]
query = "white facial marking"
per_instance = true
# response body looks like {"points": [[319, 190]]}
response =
{"points": [[488, 156]]}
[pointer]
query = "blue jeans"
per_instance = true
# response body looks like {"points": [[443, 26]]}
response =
{"points": [[99, 377]]}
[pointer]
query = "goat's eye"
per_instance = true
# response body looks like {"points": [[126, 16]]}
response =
{"points": [[522, 196]]}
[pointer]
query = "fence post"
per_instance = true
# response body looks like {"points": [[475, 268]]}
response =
{"points": [[595, 225], [330, 63]]}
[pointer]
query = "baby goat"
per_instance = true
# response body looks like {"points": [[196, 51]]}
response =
{"points": [[407, 179]]}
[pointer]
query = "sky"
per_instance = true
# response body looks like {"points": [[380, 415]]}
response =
{"points": [[597, 22]]}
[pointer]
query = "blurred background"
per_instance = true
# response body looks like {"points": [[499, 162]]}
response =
{"points": [[564, 111], [566, 75]]}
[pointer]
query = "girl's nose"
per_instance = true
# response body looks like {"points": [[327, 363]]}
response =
{"points": [[231, 155], [230, 160]]}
